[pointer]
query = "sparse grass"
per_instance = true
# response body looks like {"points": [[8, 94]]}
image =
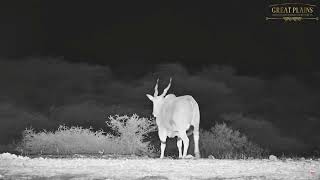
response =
{"points": [[77, 140], [224, 143]]}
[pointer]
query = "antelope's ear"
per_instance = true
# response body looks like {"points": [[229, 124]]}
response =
{"points": [[150, 97]]}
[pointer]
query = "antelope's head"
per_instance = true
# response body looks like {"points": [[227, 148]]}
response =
{"points": [[158, 100]]}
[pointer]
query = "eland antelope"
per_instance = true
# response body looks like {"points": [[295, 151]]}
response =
{"points": [[174, 116]]}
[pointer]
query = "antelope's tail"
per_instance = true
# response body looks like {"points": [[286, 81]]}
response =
{"points": [[196, 116], [190, 130]]}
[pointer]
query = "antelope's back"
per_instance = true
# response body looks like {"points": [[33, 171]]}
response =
{"points": [[177, 113]]}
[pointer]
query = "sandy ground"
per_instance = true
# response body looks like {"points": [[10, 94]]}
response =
{"points": [[19, 167]]}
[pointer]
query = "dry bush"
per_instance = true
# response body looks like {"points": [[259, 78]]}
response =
{"points": [[223, 142], [77, 140], [66, 141], [131, 133]]}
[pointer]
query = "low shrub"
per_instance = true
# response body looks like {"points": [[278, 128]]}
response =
{"points": [[66, 140], [129, 139], [131, 133], [130, 136], [224, 142]]}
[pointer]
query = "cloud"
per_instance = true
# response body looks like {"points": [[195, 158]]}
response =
{"points": [[15, 119]]}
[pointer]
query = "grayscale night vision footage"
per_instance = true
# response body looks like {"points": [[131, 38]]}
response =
{"points": [[155, 90]]}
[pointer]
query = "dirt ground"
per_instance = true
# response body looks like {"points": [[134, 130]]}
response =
{"points": [[79, 167]]}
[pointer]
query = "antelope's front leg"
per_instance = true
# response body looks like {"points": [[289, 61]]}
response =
{"points": [[163, 138], [163, 147]]}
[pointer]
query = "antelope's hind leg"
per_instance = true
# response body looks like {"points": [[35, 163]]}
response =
{"points": [[185, 140], [179, 145], [196, 144]]}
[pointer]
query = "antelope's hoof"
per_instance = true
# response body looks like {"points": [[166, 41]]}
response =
{"points": [[189, 156]]}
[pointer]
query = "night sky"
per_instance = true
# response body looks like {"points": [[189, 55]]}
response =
{"points": [[195, 34], [133, 43]]}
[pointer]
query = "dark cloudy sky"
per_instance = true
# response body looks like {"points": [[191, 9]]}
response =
{"points": [[80, 60], [149, 32]]}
